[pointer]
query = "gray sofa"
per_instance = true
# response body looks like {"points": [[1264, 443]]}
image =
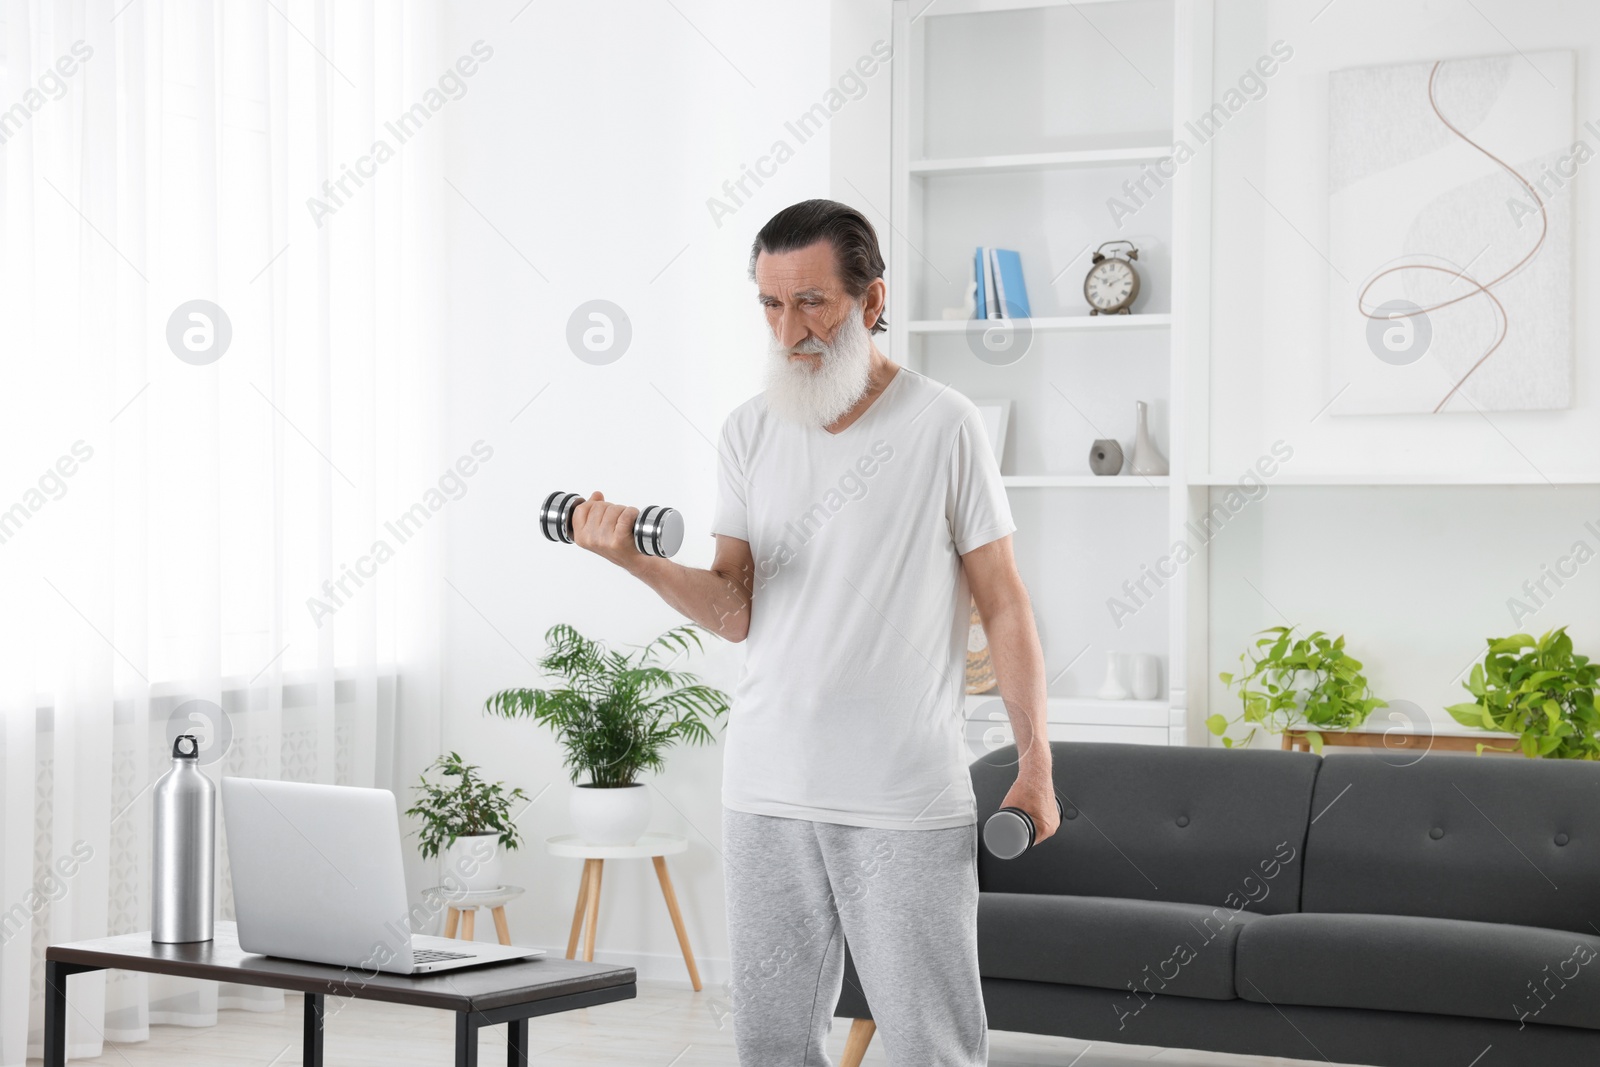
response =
{"points": [[1362, 907]]}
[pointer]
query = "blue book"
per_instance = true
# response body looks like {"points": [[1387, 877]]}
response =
{"points": [[979, 273], [1008, 281]]}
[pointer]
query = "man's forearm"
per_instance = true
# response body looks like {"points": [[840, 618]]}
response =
{"points": [[1019, 668], [718, 602]]}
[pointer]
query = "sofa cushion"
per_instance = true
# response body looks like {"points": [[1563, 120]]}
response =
{"points": [[1433, 966], [1144, 946], [1204, 826], [1495, 839]]}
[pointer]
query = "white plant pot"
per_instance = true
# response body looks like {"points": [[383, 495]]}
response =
{"points": [[472, 863], [610, 816]]}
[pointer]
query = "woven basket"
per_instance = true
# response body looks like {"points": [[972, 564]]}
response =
{"points": [[980, 671]]}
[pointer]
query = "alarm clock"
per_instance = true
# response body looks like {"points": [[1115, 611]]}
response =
{"points": [[1112, 283]]}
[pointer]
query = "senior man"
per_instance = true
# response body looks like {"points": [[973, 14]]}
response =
{"points": [[858, 504]]}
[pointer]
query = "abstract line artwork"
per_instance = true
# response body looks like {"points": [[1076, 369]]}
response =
{"points": [[1450, 234]]}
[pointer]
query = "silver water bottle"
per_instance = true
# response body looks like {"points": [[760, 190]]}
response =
{"points": [[184, 862]]}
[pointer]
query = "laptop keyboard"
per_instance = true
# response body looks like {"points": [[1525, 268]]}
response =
{"points": [[428, 955]]}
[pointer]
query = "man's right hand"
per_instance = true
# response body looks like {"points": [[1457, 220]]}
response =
{"points": [[717, 598], [605, 529]]}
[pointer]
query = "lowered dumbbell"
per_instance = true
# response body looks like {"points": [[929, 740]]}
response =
{"points": [[1010, 832], [658, 531]]}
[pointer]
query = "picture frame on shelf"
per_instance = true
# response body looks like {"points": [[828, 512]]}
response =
{"points": [[996, 419]]}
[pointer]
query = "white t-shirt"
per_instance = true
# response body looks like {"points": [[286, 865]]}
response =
{"points": [[849, 706]]}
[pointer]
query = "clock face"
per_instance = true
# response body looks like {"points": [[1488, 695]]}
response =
{"points": [[1110, 284]]}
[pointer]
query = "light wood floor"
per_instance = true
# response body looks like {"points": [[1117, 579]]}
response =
{"points": [[667, 1025]]}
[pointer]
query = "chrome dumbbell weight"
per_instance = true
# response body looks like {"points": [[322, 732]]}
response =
{"points": [[658, 531], [1010, 832]]}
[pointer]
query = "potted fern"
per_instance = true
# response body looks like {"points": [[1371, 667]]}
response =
{"points": [[465, 818], [615, 715]]}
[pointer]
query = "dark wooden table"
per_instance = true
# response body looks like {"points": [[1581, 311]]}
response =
{"points": [[510, 993]]}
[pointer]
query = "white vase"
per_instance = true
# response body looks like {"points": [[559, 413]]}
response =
{"points": [[1147, 459], [472, 863], [1112, 688], [610, 816], [1146, 681]]}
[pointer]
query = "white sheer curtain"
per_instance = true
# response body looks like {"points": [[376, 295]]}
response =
{"points": [[186, 527]]}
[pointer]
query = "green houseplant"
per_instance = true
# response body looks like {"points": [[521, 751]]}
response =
{"points": [[1311, 683], [1538, 689], [465, 817], [615, 715]]}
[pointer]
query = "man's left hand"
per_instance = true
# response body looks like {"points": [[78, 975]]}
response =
{"points": [[1034, 793]]}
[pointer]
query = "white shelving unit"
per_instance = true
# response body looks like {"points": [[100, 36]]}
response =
{"points": [[1090, 157], [1370, 479], [1085, 322], [1015, 124], [1072, 719], [1085, 481]]}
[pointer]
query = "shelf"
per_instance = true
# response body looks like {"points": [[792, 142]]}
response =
{"points": [[1083, 710], [1378, 480], [962, 177], [1036, 161], [1092, 323], [1086, 481], [1436, 728], [935, 8]]}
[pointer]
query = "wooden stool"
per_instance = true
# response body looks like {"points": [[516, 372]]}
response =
{"points": [[461, 908], [657, 847]]}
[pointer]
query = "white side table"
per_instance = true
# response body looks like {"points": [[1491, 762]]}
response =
{"points": [[657, 847], [464, 905]]}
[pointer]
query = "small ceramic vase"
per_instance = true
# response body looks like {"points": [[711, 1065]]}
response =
{"points": [[1147, 459], [1146, 681], [1112, 688], [1105, 456]]}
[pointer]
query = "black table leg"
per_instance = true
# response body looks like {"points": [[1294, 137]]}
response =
{"points": [[55, 1009], [517, 1043], [55, 1014], [311, 1054], [466, 1040]]}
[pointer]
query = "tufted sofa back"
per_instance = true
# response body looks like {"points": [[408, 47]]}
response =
{"points": [[1192, 825], [1491, 838]]}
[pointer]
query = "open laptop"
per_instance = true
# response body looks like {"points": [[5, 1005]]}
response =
{"points": [[318, 876]]}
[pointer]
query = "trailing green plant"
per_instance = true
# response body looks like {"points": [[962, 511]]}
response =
{"points": [[616, 714], [1309, 684], [1539, 690], [461, 806]]}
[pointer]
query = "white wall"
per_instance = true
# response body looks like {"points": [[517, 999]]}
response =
{"points": [[1416, 577], [600, 186], [587, 154], [858, 169]]}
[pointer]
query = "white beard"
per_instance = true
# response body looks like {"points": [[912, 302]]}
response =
{"points": [[817, 396]]}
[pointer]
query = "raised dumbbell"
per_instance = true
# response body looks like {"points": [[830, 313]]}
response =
{"points": [[658, 531], [1010, 832]]}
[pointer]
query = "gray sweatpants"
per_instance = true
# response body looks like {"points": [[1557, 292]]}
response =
{"points": [[907, 902]]}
